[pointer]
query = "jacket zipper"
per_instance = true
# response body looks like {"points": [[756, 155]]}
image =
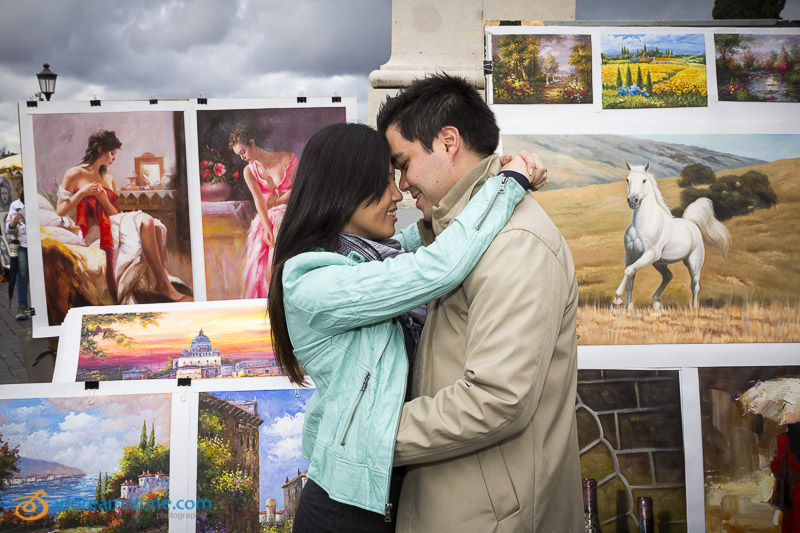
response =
{"points": [[500, 190], [387, 510], [353, 414]]}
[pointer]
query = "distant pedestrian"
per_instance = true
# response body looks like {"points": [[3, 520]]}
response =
{"points": [[17, 232]]}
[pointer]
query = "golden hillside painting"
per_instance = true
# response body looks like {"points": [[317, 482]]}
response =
{"points": [[750, 184]]}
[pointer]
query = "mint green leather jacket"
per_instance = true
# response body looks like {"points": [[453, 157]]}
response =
{"points": [[339, 312]]}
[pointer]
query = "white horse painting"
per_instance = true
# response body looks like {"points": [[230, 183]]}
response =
{"points": [[655, 237]]}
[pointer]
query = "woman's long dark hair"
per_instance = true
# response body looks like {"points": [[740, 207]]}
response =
{"points": [[107, 140], [342, 167]]}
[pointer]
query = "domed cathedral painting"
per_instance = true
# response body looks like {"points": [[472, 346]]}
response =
{"points": [[196, 343]]}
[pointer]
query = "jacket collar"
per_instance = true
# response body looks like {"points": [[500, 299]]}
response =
{"points": [[456, 199]]}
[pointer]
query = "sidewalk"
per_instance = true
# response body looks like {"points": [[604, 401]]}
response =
{"points": [[12, 370]]}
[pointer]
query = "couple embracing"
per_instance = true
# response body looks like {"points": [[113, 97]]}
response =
{"points": [[444, 356]]}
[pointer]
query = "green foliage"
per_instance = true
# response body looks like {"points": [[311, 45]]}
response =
{"points": [[619, 78], [286, 527], [581, 59], [143, 440], [521, 53], [235, 486], [135, 461], [152, 442], [209, 425], [8, 462], [747, 9], [94, 326], [72, 518], [733, 195], [696, 174], [9, 521], [639, 81], [98, 491], [649, 87], [628, 77]]}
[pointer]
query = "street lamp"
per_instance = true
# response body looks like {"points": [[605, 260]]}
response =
{"points": [[47, 81]]}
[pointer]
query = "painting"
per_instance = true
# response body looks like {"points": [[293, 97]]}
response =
{"points": [[653, 70], [109, 233], [745, 289], [542, 69], [70, 465], [197, 342], [758, 67], [751, 427], [247, 160], [631, 442], [249, 459]]}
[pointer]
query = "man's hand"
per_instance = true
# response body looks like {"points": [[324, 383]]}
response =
{"points": [[535, 168]]}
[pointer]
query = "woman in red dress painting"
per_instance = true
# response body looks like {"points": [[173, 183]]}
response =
{"points": [[127, 238]]}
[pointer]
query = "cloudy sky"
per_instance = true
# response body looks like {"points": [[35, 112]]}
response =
{"points": [[227, 49], [280, 447], [92, 438]]}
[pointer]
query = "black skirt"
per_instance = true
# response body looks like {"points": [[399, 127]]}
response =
{"points": [[318, 513]]}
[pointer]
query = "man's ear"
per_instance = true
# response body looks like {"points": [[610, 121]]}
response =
{"points": [[450, 137]]}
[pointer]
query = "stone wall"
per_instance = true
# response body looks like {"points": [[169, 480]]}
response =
{"points": [[631, 440]]}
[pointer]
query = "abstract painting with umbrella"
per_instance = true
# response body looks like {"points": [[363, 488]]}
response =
{"points": [[779, 400], [751, 442]]}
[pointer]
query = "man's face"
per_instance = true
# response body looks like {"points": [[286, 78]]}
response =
{"points": [[427, 176]]}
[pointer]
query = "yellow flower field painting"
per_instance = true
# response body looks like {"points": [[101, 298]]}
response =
{"points": [[654, 70]]}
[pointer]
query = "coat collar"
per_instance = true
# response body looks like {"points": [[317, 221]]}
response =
{"points": [[465, 188]]}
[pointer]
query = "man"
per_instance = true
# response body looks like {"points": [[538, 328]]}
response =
{"points": [[17, 233], [491, 431]]}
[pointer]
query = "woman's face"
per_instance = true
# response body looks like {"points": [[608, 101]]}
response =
{"points": [[107, 158], [376, 221], [245, 151]]}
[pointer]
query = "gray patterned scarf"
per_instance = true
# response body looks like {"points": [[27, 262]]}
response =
{"points": [[412, 321]]}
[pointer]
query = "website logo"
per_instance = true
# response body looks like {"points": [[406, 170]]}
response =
{"points": [[27, 508]]}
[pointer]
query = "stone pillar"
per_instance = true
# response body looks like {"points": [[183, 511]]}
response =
{"points": [[447, 36]]}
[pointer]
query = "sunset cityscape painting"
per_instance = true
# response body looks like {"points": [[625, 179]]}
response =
{"points": [[202, 343]]}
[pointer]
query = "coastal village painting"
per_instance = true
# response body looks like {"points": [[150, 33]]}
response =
{"points": [[749, 294], [654, 70], [69, 465], [197, 343], [249, 459]]}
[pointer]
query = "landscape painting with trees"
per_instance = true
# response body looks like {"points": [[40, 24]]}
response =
{"points": [[71, 466], [654, 70], [542, 69], [752, 295], [249, 459], [197, 343], [758, 67]]}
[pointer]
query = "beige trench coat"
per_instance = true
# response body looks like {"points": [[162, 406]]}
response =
{"points": [[491, 432]]}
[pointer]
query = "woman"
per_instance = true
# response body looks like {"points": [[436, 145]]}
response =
{"points": [[90, 189], [338, 282], [269, 177]]}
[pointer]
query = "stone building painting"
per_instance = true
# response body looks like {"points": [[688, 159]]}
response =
{"points": [[631, 441], [261, 431], [738, 448], [230, 429]]}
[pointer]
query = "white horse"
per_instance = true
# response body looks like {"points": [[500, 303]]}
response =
{"points": [[656, 238]]}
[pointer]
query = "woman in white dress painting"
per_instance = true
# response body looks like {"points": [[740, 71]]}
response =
{"points": [[129, 239]]}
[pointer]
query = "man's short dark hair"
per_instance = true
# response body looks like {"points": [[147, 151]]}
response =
{"points": [[428, 105]]}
